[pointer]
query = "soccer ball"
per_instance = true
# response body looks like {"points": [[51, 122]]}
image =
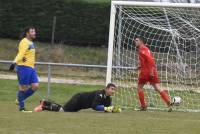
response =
{"points": [[176, 100]]}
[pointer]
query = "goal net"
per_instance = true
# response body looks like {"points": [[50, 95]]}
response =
{"points": [[172, 32]]}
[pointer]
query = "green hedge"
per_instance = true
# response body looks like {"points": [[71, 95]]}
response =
{"points": [[78, 21]]}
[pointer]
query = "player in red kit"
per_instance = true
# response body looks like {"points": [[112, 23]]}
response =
{"points": [[148, 74]]}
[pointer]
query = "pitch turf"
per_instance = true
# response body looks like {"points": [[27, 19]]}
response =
{"points": [[88, 121]]}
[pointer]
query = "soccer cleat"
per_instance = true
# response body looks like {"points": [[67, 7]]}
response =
{"points": [[23, 110], [171, 104], [17, 102], [143, 109], [40, 107], [170, 107]]}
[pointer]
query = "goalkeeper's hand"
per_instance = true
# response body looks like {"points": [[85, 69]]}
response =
{"points": [[116, 109], [12, 67], [112, 109], [108, 109]]}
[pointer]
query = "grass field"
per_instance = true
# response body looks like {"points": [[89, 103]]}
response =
{"points": [[86, 121]]}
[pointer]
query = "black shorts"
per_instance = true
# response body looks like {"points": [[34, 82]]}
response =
{"points": [[73, 105]]}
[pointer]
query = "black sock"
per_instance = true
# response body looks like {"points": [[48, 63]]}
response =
{"points": [[52, 107]]}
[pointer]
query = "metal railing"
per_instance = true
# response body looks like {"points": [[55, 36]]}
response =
{"points": [[50, 64], [57, 64]]}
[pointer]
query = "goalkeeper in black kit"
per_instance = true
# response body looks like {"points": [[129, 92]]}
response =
{"points": [[99, 100]]}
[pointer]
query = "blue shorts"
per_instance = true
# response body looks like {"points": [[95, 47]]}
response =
{"points": [[26, 75]]}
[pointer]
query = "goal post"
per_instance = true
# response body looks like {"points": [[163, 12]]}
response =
{"points": [[172, 32], [110, 44]]}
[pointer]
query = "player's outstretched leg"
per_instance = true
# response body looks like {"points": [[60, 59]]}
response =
{"points": [[162, 93], [20, 101], [28, 93], [34, 86], [49, 106], [23, 93], [164, 96], [21, 97]]}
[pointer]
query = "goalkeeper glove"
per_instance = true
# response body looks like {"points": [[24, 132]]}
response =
{"points": [[112, 109], [116, 109], [108, 109], [12, 67]]}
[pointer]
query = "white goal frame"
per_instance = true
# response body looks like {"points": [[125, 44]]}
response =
{"points": [[112, 24], [112, 30]]}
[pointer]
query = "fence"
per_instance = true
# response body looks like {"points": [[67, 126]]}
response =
{"points": [[63, 65]]}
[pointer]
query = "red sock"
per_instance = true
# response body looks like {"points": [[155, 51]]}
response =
{"points": [[165, 97], [141, 98]]}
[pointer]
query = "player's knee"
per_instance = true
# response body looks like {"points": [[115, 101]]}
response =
{"points": [[35, 86], [157, 88], [23, 87], [139, 87]]}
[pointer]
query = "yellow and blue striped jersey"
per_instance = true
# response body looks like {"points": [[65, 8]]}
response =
{"points": [[26, 53]]}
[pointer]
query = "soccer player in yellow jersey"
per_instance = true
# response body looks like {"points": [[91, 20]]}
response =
{"points": [[25, 67]]}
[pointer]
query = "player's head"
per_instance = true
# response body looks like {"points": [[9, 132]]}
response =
{"points": [[30, 32], [138, 41], [110, 89]]}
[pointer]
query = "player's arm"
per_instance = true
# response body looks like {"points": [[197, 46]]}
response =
{"points": [[138, 67], [151, 65], [98, 106], [108, 102], [20, 56], [106, 107], [22, 49]]}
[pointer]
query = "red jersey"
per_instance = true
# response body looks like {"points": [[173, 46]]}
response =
{"points": [[147, 62], [147, 66]]}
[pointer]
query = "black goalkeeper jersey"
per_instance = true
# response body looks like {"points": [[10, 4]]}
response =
{"points": [[87, 100]]}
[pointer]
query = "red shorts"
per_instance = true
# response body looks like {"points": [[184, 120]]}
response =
{"points": [[145, 77]]}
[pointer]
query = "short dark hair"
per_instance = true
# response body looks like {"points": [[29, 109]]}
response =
{"points": [[26, 30], [140, 37], [110, 85]]}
